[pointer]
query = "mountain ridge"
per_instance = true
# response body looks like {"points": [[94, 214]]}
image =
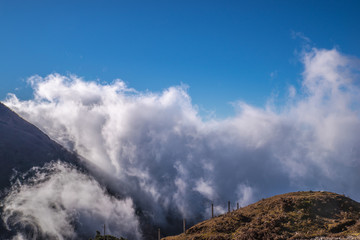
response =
{"points": [[23, 145]]}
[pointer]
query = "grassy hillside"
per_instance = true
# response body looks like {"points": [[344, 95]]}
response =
{"points": [[299, 215], [106, 237]]}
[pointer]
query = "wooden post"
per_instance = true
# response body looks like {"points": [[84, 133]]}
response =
{"points": [[228, 206], [184, 225], [158, 233], [104, 232], [237, 205], [212, 210]]}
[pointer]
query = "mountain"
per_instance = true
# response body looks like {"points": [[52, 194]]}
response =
{"points": [[299, 215], [23, 146], [51, 207]]}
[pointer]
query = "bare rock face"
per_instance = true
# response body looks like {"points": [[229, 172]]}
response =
{"points": [[299, 215]]}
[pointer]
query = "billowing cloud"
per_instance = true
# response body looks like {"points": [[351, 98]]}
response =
{"points": [[57, 197], [165, 157]]}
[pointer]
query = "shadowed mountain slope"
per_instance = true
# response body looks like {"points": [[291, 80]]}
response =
{"points": [[299, 215], [22, 146]]}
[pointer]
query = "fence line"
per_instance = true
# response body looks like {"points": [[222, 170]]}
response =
{"points": [[212, 216]]}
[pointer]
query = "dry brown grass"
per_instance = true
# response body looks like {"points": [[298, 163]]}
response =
{"points": [[299, 215]]}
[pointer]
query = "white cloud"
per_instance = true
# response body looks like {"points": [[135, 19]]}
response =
{"points": [[301, 36], [205, 188], [56, 197], [167, 159], [245, 195], [292, 92]]}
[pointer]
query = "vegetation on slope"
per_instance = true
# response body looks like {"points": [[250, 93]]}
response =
{"points": [[300, 215], [106, 237]]}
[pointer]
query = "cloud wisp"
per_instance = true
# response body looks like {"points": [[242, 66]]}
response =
{"points": [[57, 198], [168, 160]]}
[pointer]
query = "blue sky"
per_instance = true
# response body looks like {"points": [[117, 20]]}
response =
{"points": [[224, 51]]}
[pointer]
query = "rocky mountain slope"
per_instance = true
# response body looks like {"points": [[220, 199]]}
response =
{"points": [[299, 215]]}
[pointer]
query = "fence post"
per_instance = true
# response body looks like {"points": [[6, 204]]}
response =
{"points": [[158, 233], [184, 225], [212, 210], [237, 205], [228, 206], [104, 232]]}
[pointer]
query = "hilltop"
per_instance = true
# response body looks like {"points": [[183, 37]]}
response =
{"points": [[298, 215]]}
